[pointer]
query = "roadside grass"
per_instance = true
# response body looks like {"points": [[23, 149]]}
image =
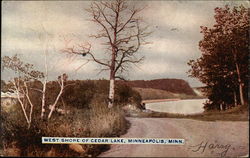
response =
{"points": [[240, 113], [98, 121]]}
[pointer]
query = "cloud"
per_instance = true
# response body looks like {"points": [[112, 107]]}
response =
{"points": [[156, 68], [175, 37]]}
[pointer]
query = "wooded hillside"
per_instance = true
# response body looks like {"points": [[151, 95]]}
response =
{"points": [[171, 85]]}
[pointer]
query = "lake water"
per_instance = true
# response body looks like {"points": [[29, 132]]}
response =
{"points": [[190, 106]]}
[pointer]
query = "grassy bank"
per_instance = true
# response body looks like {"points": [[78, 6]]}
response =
{"points": [[240, 113], [85, 115], [98, 121]]}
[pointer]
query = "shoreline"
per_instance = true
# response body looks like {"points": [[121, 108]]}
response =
{"points": [[159, 100]]}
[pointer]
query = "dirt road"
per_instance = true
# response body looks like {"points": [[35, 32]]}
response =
{"points": [[202, 139]]}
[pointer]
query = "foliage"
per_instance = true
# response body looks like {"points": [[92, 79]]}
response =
{"points": [[97, 122], [80, 93], [85, 91], [223, 64], [4, 87], [87, 116], [19, 67], [167, 84], [91, 118], [126, 94]]}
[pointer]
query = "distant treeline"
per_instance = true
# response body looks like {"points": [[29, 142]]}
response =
{"points": [[80, 93], [171, 85]]}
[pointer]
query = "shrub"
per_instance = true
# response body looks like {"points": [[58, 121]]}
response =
{"points": [[125, 94], [79, 93], [88, 117]]}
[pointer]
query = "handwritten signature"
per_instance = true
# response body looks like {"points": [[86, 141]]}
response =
{"points": [[222, 148]]}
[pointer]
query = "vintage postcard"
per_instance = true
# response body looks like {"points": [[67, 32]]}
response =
{"points": [[122, 78]]}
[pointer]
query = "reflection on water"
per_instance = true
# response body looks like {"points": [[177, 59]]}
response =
{"points": [[190, 106]]}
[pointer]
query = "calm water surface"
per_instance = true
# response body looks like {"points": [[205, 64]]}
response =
{"points": [[190, 106]]}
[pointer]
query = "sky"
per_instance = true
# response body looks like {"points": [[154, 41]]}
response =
{"points": [[29, 27]]}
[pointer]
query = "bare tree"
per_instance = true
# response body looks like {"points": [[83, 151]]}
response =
{"points": [[45, 44], [122, 30], [45, 79]]}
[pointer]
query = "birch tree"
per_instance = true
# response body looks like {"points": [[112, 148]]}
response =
{"points": [[123, 33], [19, 85], [45, 43]]}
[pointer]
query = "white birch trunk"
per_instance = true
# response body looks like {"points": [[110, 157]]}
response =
{"points": [[17, 90], [221, 108], [57, 98], [44, 84], [43, 99], [111, 93], [31, 104]]}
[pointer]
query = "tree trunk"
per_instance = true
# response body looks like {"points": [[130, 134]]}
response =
{"points": [[17, 91], [221, 108], [53, 106], [44, 84], [235, 99], [111, 93], [241, 94], [43, 99], [112, 80], [240, 84]]}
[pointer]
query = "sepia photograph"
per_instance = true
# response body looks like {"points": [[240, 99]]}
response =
{"points": [[125, 78]]}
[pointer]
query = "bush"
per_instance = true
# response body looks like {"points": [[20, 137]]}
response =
{"points": [[88, 117], [99, 121], [125, 94], [79, 93]]}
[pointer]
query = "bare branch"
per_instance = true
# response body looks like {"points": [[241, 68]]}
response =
{"points": [[38, 90], [81, 66], [129, 20], [84, 50], [108, 5], [98, 61], [134, 61], [101, 70], [102, 12], [121, 78], [96, 16], [120, 63]]}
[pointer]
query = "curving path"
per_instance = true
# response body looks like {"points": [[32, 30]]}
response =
{"points": [[220, 138]]}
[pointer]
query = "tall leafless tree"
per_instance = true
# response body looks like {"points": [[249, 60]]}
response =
{"points": [[45, 41], [123, 31]]}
